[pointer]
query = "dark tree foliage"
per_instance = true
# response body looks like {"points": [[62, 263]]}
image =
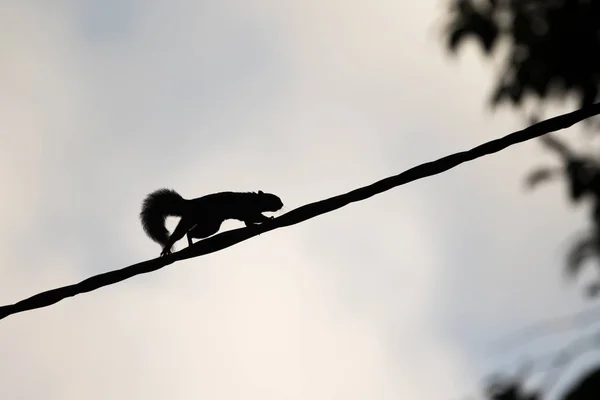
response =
{"points": [[553, 45], [553, 51], [552, 54], [509, 390], [583, 178], [586, 388]]}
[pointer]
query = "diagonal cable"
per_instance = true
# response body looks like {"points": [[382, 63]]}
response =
{"points": [[303, 213]]}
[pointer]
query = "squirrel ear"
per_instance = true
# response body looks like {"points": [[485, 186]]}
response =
{"points": [[260, 192]]}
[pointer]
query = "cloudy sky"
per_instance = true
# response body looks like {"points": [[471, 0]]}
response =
{"points": [[396, 297]]}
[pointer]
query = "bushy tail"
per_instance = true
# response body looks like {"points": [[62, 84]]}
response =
{"points": [[157, 206]]}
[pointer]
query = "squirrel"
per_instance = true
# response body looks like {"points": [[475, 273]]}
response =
{"points": [[203, 216]]}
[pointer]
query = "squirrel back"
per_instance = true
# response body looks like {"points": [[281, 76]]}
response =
{"points": [[157, 206], [204, 214], [236, 205]]}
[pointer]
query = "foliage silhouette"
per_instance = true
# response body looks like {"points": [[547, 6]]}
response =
{"points": [[553, 45], [229, 238], [551, 367], [553, 52], [586, 388], [583, 176], [509, 390]]}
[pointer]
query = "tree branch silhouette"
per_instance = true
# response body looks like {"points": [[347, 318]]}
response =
{"points": [[303, 213]]}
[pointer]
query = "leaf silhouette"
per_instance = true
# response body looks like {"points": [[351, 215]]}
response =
{"points": [[559, 147], [542, 174], [467, 21], [583, 249], [553, 46], [593, 289], [581, 177]]}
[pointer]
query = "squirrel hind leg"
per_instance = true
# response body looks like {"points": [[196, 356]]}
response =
{"points": [[203, 230]]}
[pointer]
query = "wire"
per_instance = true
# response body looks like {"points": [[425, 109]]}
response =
{"points": [[303, 213]]}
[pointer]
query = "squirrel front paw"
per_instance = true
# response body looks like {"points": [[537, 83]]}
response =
{"points": [[165, 252]]}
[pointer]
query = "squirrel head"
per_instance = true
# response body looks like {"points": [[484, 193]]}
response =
{"points": [[269, 202]]}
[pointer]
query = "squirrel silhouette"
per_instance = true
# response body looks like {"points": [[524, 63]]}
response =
{"points": [[203, 216]]}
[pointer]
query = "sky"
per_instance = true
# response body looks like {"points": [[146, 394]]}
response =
{"points": [[398, 296]]}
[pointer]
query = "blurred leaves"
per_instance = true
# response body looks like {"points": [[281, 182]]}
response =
{"points": [[542, 174], [552, 53], [583, 178], [470, 21], [553, 45], [510, 391], [550, 369], [511, 388], [587, 388]]}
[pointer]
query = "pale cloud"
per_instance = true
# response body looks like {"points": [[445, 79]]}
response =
{"points": [[106, 102]]}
